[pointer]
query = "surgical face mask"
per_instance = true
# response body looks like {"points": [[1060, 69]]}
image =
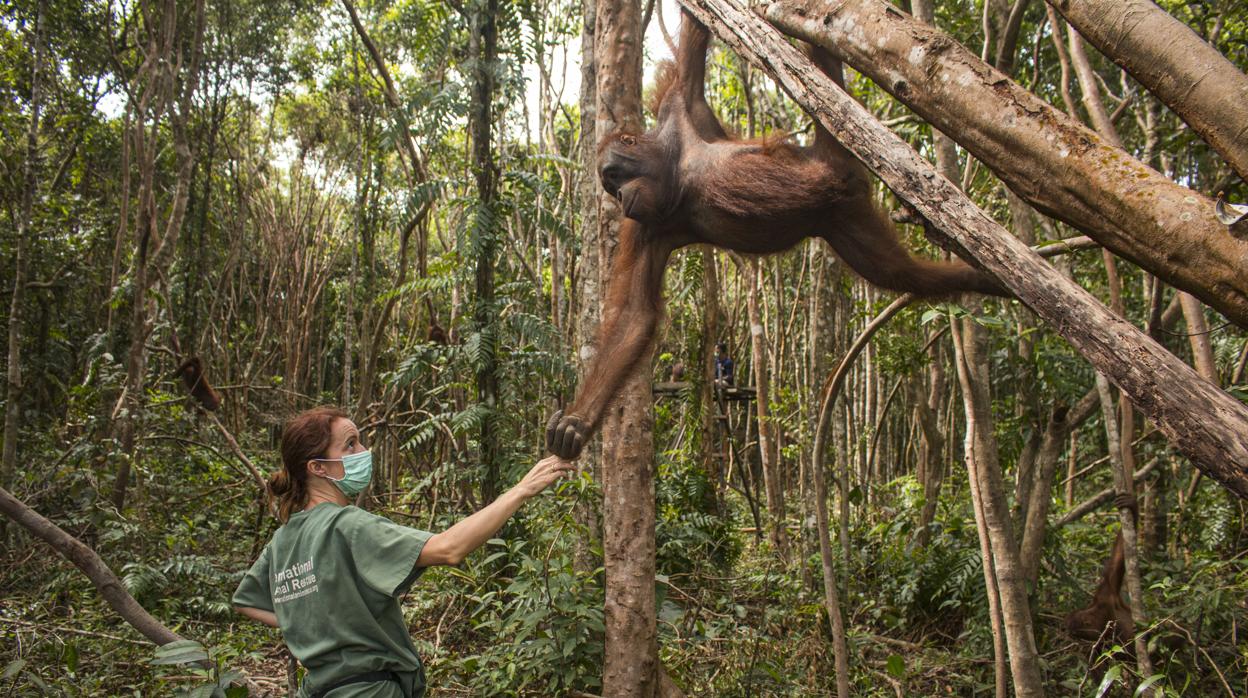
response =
{"points": [[357, 472]]}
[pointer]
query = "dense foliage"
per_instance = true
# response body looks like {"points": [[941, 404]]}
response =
{"points": [[315, 261]]}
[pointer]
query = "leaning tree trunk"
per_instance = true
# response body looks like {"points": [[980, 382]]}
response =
{"points": [[1169, 59], [631, 653], [825, 406], [1054, 163], [30, 180], [984, 466], [1203, 422]]}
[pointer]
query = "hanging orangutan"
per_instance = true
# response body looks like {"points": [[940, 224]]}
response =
{"points": [[687, 181], [1107, 619]]}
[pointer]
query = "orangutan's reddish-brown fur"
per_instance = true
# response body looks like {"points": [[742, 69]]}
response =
{"points": [[687, 181], [1107, 619], [192, 372]]}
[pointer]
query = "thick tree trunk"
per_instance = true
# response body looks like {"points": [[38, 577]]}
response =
{"points": [[1169, 59], [992, 592], [984, 468], [631, 654], [1055, 164], [86, 559], [30, 181], [1205, 423], [586, 280], [483, 46]]}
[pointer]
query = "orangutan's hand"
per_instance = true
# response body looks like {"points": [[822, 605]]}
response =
{"points": [[566, 435]]}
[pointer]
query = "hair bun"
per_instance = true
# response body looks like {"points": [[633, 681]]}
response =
{"points": [[279, 483]]}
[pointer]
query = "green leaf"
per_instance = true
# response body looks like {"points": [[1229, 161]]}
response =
{"points": [[896, 666], [1110, 677], [1148, 682], [179, 652]]}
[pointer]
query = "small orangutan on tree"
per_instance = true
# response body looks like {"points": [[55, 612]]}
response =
{"points": [[192, 372], [687, 181], [1107, 619]]}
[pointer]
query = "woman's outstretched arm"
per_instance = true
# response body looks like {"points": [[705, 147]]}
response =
{"points": [[452, 545]]}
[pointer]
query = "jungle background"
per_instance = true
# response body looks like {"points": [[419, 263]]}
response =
{"points": [[307, 203]]}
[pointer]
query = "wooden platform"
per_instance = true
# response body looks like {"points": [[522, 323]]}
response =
{"points": [[731, 394]]}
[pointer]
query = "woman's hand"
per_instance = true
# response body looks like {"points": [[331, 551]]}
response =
{"points": [[547, 471]]}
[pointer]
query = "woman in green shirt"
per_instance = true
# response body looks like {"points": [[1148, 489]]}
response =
{"points": [[331, 576]]}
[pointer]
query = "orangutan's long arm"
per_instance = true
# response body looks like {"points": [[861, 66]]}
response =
{"points": [[630, 318], [1116, 566], [691, 69]]}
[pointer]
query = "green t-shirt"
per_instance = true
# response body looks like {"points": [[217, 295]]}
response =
{"points": [[333, 575]]}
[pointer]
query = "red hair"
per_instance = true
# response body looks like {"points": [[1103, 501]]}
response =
{"points": [[305, 437]]}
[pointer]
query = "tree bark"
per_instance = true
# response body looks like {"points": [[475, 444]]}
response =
{"points": [[30, 181], [86, 559], [483, 46], [587, 281], [984, 467], [1205, 423], [1055, 164], [1124, 484], [630, 666], [711, 460], [1170, 60], [766, 441]]}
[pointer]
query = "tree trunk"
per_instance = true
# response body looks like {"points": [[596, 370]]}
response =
{"points": [[414, 169], [1169, 59], [483, 47], [631, 654], [711, 460], [831, 597], [30, 181], [1124, 484], [984, 467], [1206, 424], [766, 441], [1056, 435], [1055, 164], [825, 405], [587, 281]]}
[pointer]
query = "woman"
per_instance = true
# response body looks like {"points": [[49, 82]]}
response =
{"points": [[332, 575]]}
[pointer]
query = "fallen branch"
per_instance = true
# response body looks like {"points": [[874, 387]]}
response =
{"points": [[87, 560]]}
